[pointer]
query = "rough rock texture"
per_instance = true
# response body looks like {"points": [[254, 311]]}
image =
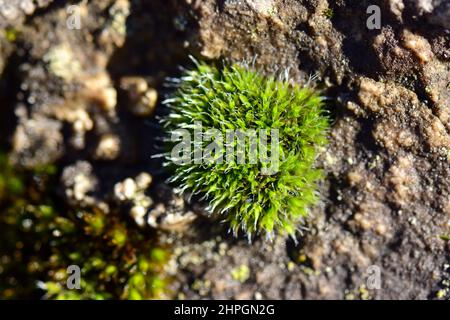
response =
{"points": [[14, 12], [386, 200]]}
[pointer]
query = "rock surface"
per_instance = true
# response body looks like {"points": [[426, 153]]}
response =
{"points": [[386, 199]]}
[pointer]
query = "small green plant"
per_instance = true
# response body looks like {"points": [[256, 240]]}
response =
{"points": [[11, 34], [445, 237], [39, 239], [226, 99], [329, 13]]}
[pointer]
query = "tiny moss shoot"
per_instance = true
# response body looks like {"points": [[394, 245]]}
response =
{"points": [[40, 239], [237, 98]]}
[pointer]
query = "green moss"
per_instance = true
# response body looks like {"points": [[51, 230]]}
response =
{"points": [[10, 182], [11, 34], [40, 238], [241, 273], [445, 237], [250, 196], [329, 13]]}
